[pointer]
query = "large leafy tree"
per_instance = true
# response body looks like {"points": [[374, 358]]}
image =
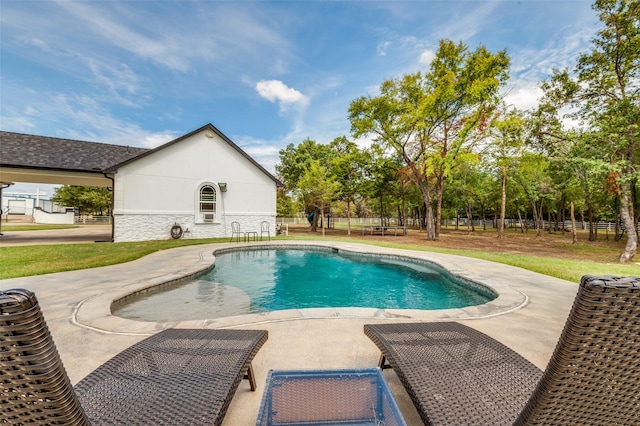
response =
{"points": [[381, 178], [295, 161], [531, 174], [317, 188], [348, 168], [433, 119], [605, 89], [463, 89], [503, 152], [87, 199]]}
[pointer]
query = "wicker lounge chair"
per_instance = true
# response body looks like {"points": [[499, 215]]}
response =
{"points": [[458, 376], [178, 376]]}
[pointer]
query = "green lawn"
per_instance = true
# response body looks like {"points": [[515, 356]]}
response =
{"points": [[19, 261], [22, 261], [571, 270]]}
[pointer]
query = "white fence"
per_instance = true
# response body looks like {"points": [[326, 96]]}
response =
{"points": [[91, 219], [462, 222], [514, 223]]}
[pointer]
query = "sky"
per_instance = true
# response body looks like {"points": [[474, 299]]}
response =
{"points": [[265, 73]]}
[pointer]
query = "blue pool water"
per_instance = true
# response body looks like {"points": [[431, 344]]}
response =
{"points": [[252, 281]]}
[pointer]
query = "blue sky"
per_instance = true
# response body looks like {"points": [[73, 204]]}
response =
{"points": [[266, 73]]}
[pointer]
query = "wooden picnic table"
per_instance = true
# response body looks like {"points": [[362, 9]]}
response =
{"points": [[383, 229]]}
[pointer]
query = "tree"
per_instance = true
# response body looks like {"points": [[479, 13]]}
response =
{"points": [[381, 176], [533, 177], [87, 199], [463, 88], [606, 93], [295, 162], [504, 148], [433, 119], [317, 188], [347, 167], [285, 204]]}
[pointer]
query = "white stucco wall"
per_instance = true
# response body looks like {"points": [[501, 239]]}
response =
{"points": [[156, 191], [41, 216]]}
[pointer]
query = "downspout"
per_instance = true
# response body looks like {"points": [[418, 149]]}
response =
{"points": [[113, 190]]}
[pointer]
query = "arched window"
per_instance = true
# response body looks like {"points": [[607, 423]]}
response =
{"points": [[207, 203]]}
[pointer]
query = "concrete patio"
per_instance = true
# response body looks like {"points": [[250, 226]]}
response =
{"points": [[528, 316]]}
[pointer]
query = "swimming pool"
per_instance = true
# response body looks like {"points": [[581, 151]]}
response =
{"points": [[269, 279]]}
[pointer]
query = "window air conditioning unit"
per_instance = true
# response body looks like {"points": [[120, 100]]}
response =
{"points": [[208, 217]]}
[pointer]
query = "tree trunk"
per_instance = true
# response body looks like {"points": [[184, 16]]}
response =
{"points": [[503, 204], [484, 219], [627, 218], [590, 210], [537, 218], [322, 214], [521, 224], [470, 226], [314, 220], [574, 231], [348, 218], [403, 210], [618, 231], [439, 196], [431, 230]]}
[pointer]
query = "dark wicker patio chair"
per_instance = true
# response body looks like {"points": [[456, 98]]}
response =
{"points": [[177, 377], [456, 375]]}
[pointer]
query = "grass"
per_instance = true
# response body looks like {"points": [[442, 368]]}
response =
{"points": [[566, 269], [23, 261], [20, 261]]}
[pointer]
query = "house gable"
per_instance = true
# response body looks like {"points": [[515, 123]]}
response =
{"points": [[166, 179], [210, 131]]}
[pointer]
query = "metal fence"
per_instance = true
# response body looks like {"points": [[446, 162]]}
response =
{"points": [[462, 222]]}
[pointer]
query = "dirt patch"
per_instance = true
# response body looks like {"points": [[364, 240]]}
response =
{"points": [[554, 245]]}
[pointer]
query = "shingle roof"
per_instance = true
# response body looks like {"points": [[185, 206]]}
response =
{"points": [[47, 153], [44, 152]]}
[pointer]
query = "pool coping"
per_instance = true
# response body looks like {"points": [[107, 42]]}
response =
{"points": [[94, 312]]}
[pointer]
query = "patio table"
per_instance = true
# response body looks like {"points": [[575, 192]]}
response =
{"points": [[356, 397]]}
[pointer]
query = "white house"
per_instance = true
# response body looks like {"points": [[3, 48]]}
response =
{"points": [[200, 182]]}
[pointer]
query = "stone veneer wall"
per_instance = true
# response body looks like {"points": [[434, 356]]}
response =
{"points": [[138, 227]]}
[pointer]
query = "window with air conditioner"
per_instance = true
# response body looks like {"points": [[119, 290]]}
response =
{"points": [[207, 204]]}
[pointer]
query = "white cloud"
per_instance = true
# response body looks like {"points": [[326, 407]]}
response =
{"points": [[524, 97], [265, 152], [426, 57], [41, 44], [156, 139], [29, 110], [277, 91], [17, 122], [469, 20], [382, 48], [105, 23], [120, 81]]}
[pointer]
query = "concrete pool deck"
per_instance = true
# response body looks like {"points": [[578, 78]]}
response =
{"points": [[528, 316]]}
